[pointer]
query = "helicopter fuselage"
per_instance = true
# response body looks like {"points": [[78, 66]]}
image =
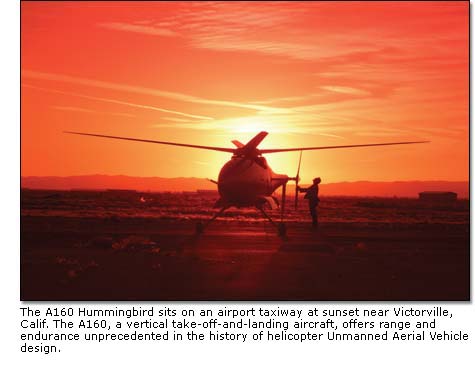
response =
{"points": [[244, 182]]}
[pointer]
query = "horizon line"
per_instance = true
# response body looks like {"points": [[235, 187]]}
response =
{"points": [[205, 178]]}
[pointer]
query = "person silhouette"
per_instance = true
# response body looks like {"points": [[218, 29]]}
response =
{"points": [[313, 200]]}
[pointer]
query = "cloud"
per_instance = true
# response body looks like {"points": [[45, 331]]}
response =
{"points": [[73, 109], [300, 123], [174, 119], [346, 90], [230, 42], [147, 91], [138, 28], [285, 99], [330, 135], [115, 101], [233, 27], [308, 31], [84, 110]]}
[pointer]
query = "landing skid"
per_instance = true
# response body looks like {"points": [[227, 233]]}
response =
{"points": [[281, 227], [200, 227]]}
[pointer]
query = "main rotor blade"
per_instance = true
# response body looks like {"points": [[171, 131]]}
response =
{"points": [[268, 151], [237, 143], [228, 150], [255, 141]]}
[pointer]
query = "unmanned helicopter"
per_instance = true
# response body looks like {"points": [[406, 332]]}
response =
{"points": [[247, 180]]}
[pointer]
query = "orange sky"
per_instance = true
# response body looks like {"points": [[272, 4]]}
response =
{"points": [[309, 73]]}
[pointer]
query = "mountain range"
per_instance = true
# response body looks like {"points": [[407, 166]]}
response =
{"points": [[157, 184]]}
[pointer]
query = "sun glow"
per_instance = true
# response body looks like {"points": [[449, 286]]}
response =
{"points": [[252, 124]]}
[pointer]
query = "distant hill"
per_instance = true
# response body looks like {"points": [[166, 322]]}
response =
{"points": [[410, 189], [101, 182], [358, 188]]}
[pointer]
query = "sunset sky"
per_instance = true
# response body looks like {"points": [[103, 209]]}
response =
{"points": [[309, 73]]}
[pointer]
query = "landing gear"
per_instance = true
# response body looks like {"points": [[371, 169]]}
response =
{"points": [[200, 227], [281, 227], [282, 230]]}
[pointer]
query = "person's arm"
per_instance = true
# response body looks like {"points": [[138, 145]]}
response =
{"points": [[302, 190]]}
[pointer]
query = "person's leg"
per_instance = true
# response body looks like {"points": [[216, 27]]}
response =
{"points": [[313, 213]]}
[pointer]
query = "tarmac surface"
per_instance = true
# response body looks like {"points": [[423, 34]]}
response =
{"points": [[141, 259]]}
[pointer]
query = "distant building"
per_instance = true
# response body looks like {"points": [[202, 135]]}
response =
{"points": [[438, 196]]}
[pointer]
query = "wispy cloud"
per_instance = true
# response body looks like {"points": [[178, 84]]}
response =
{"points": [[147, 91], [233, 27], [346, 90], [283, 30], [174, 119], [138, 28], [285, 99], [300, 123], [90, 111], [73, 109], [115, 101], [330, 135]]}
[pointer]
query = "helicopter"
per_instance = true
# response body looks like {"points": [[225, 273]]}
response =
{"points": [[247, 180]]}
